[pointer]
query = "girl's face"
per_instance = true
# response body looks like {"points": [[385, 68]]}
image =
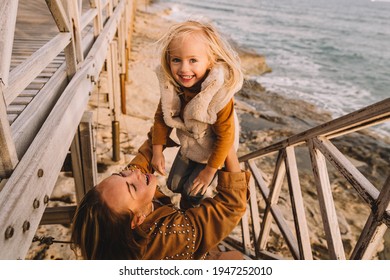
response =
{"points": [[188, 59], [128, 190]]}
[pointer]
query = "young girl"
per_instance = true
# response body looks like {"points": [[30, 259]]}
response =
{"points": [[198, 75]]}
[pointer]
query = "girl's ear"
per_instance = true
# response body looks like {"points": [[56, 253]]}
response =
{"points": [[211, 64], [137, 220]]}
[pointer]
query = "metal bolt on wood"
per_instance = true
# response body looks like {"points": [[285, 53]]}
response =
{"points": [[9, 232], [40, 173], [26, 226], [36, 203], [46, 199]]}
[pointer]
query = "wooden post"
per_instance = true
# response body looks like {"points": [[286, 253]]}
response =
{"points": [[109, 8], [8, 12], [246, 238], [98, 21], [83, 157], [297, 206], [130, 10], [275, 188], [74, 17], [8, 156], [114, 96], [61, 18], [122, 61], [254, 211]]}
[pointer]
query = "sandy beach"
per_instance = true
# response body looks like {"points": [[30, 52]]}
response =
{"points": [[259, 128]]}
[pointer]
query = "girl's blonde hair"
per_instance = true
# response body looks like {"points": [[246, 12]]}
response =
{"points": [[220, 51]]}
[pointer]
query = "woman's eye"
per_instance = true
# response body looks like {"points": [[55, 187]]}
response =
{"points": [[131, 186]]}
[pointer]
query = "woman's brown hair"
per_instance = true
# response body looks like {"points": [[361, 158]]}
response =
{"points": [[100, 233]]}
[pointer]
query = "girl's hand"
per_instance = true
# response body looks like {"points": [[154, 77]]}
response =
{"points": [[203, 180], [158, 160]]}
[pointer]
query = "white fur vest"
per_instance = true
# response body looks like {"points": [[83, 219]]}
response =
{"points": [[194, 131]]}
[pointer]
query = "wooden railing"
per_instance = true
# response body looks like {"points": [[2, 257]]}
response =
{"points": [[259, 222], [36, 139]]}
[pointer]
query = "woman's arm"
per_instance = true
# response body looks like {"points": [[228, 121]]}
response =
{"points": [[216, 217]]}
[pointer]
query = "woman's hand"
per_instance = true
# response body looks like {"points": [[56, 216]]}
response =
{"points": [[158, 159], [203, 180]]}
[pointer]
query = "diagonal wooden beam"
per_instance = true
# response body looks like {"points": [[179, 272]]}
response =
{"points": [[59, 15], [328, 210], [8, 156]]}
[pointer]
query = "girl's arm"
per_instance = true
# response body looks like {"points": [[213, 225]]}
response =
{"points": [[224, 130]]}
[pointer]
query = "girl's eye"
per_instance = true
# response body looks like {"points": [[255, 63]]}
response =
{"points": [[193, 60], [175, 60]]}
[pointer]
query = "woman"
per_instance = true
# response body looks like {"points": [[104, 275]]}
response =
{"points": [[126, 217]]}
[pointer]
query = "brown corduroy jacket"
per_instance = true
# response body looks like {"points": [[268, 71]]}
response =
{"points": [[170, 233]]}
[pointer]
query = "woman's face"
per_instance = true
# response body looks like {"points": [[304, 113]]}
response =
{"points": [[188, 59], [128, 190]]}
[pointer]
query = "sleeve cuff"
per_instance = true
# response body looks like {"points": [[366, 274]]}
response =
{"points": [[235, 180]]}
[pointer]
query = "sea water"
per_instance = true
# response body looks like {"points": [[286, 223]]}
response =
{"points": [[333, 53]]}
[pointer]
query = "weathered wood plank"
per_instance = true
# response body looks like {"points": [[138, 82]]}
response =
{"points": [[74, 19], [11, 118], [275, 188], [8, 12], [22, 75], [22, 100], [59, 15], [245, 232], [328, 210], [31, 119], [29, 92], [298, 209], [254, 212], [8, 155], [98, 21], [15, 109], [83, 157], [58, 215]]}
